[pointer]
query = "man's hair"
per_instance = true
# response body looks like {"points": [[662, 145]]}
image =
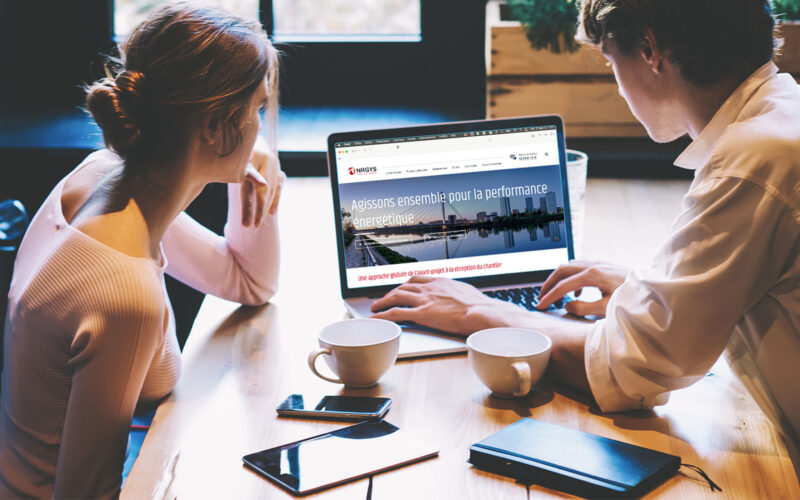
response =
{"points": [[707, 39]]}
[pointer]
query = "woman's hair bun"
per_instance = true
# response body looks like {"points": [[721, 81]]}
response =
{"points": [[155, 98], [118, 106], [130, 87]]}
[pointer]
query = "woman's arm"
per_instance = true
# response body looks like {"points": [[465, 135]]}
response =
{"points": [[243, 265], [110, 356]]}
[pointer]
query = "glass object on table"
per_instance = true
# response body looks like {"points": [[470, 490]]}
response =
{"points": [[577, 162]]}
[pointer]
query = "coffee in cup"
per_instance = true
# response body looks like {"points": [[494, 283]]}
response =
{"points": [[509, 361], [359, 350]]}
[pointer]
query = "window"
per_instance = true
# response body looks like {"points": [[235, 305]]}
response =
{"points": [[129, 13], [339, 20], [442, 67], [306, 20], [410, 53]]}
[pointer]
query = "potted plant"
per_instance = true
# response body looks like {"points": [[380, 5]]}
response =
{"points": [[549, 25]]}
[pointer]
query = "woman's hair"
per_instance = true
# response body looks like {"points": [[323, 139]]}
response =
{"points": [[707, 39], [183, 65]]}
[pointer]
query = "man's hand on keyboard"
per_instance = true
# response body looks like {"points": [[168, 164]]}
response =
{"points": [[444, 304], [573, 277]]}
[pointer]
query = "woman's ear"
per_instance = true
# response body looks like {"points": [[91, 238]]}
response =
{"points": [[652, 53], [212, 131]]}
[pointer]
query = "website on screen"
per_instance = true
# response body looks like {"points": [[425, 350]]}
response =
{"points": [[456, 205]]}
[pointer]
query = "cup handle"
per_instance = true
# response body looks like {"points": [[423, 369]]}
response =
{"points": [[312, 362], [524, 376]]}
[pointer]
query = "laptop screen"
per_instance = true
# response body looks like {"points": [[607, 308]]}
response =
{"points": [[465, 202]]}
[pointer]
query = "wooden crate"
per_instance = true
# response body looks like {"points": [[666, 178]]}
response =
{"points": [[578, 86], [590, 108]]}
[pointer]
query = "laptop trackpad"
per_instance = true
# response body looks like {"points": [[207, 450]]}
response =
{"points": [[415, 341]]}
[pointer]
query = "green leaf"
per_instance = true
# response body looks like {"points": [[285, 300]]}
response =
{"points": [[786, 10], [550, 24]]}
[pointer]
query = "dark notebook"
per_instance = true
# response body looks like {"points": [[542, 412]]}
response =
{"points": [[572, 461]]}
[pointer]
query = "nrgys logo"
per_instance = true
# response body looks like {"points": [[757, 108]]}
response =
{"points": [[362, 170]]}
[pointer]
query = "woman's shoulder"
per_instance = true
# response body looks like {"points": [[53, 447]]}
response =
{"points": [[82, 295], [83, 290], [79, 184], [78, 273]]}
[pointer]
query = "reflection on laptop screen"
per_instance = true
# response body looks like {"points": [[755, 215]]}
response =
{"points": [[459, 205]]}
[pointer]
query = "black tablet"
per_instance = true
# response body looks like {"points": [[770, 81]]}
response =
{"points": [[337, 457]]}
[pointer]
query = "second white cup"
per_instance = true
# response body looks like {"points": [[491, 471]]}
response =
{"points": [[509, 361], [359, 350]]}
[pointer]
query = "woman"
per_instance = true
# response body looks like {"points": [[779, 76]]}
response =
{"points": [[89, 333], [729, 274]]}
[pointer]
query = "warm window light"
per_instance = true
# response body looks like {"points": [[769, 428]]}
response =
{"points": [[314, 18], [347, 17], [129, 13]]}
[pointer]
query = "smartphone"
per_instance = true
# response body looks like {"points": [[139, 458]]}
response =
{"points": [[336, 407]]}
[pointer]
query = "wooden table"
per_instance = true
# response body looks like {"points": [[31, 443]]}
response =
{"points": [[240, 362]]}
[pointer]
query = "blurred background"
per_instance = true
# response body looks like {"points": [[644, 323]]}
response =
{"points": [[347, 65]]}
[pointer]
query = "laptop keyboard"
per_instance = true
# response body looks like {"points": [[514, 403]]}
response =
{"points": [[527, 297]]}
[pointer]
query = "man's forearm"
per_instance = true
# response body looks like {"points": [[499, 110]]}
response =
{"points": [[568, 335], [566, 360]]}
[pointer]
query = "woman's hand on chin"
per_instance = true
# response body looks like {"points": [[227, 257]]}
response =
{"points": [[261, 190], [444, 304]]}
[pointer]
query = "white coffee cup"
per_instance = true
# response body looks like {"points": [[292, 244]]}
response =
{"points": [[509, 361], [359, 350]]}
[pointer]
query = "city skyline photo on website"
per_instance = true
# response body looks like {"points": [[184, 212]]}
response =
{"points": [[437, 217]]}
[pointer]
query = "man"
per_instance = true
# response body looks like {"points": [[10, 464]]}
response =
{"points": [[729, 274]]}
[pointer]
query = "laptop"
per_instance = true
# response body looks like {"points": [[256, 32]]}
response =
{"points": [[484, 202]]}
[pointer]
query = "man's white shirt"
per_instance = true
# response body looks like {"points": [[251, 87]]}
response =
{"points": [[729, 274]]}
